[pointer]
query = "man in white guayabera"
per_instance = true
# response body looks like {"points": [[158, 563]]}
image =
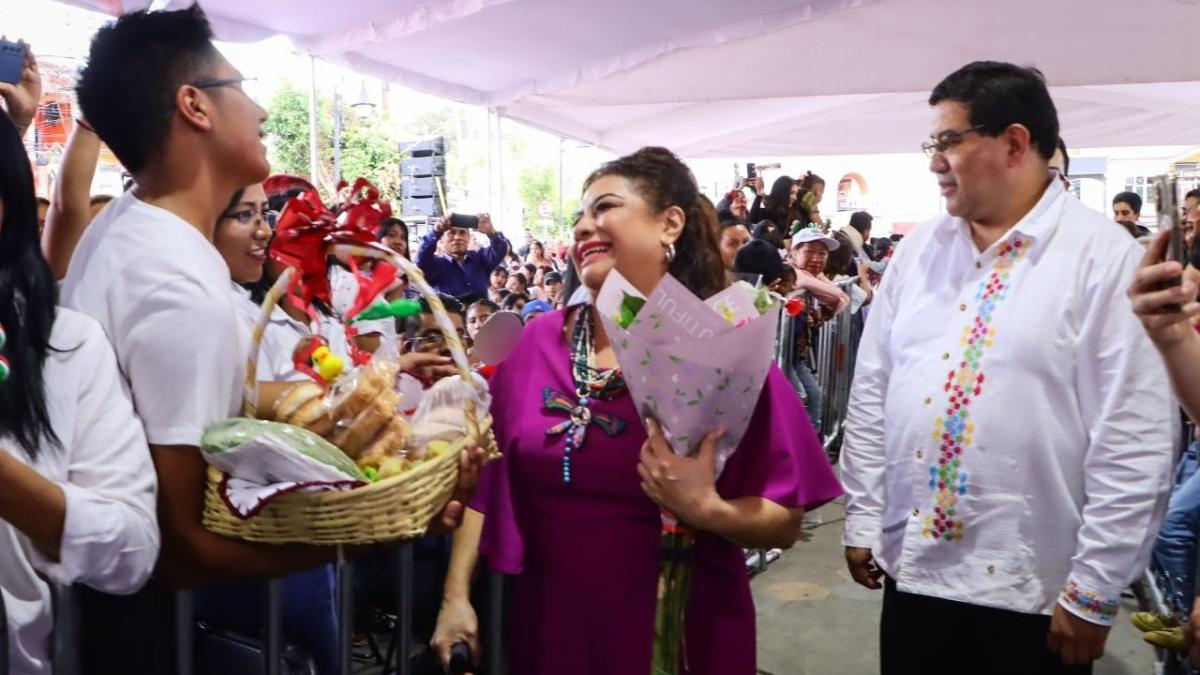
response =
{"points": [[1008, 449]]}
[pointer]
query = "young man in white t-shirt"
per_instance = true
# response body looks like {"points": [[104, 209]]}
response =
{"points": [[173, 110]]}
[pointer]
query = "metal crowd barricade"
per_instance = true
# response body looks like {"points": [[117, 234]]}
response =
{"points": [[274, 662], [277, 657], [834, 351]]}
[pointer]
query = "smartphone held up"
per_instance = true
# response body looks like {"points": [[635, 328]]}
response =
{"points": [[458, 220], [1166, 190], [12, 60]]}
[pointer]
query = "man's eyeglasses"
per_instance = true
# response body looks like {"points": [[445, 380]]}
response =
{"points": [[947, 140], [211, 84], [433, 341], [225, 82], [247, 216]]}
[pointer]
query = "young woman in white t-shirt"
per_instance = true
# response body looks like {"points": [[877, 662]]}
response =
{"points": [[77, 504], [242, 237]]}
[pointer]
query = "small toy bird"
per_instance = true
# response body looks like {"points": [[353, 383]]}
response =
{"points": [[327, 363]]}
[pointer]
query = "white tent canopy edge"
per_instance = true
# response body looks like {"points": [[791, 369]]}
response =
{"points": [[756, 77]]}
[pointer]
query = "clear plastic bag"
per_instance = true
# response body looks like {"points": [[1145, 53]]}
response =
{"points": [[441, 415]]}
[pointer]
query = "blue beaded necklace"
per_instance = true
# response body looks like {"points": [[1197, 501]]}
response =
{"points": [[590, 383]]}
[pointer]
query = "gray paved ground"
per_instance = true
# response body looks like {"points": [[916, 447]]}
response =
{"points": [[813, 620]]}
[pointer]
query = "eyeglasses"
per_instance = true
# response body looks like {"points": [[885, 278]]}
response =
{"points": [[247, 216], [211, 84], [226, 82], [434, 341], [947, 140]]}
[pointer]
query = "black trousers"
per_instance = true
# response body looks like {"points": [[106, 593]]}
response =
{"points": [[920, 635]]}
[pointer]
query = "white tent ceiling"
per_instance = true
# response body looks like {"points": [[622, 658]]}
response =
{"points": [[752, 77]]}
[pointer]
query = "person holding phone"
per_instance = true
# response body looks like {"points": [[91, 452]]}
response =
{"points": [[1163, 295], [460, 271]]}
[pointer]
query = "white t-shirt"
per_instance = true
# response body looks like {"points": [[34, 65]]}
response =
{"points": [[280, 337], [110, 535], [161, 292]]}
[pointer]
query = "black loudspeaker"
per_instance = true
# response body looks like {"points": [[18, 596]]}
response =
{"points": [[417, 187], [422, 207], [424, 148], [423, 167]]}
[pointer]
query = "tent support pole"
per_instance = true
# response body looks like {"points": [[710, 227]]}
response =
{"points": [[561, 219], [496, 169], [313, 160]]}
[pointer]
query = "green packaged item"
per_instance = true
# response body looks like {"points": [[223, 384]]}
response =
{"points": [[237, 432]]}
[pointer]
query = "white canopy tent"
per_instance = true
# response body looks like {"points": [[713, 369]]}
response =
{"points": [[722, 78]]}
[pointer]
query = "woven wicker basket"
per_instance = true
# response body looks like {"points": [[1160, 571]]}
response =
{"points": [[399, 507]]}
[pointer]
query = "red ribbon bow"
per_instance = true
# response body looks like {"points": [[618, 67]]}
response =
{"points": [[307, 231], [305, 235]]}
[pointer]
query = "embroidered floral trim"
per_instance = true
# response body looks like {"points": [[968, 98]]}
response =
{"points": [[947, 476], [1089, 603]]}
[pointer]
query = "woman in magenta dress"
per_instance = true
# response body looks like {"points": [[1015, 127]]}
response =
{"points": [[579, 527]]}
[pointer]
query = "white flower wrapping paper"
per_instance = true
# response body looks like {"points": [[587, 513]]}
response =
{"points": [[694, 365]]}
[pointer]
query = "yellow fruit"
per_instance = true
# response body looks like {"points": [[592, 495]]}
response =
{"points": [[436, 448], [392, 466]]}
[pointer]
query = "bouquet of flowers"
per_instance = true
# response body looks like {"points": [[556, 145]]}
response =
{"points": [[692, 365]]}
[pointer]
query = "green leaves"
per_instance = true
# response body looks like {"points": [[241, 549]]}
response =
{"points": [[630, 306]]}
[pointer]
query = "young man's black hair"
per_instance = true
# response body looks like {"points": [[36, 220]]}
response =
{"points": [[861, 222], [999, 95], [759, 257], [1130, 198], [510, 301], [486, 304], [150, 55], [412, 324]]}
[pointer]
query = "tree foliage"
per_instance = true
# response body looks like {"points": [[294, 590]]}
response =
{"points": [[368, 147], [370, 143]]}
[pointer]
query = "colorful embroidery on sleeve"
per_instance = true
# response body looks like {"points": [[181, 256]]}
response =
{"points": [[947, 477], [1089, 603]]}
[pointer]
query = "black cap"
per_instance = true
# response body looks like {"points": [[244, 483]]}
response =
{"points": [[759, 257], [552, 276]]}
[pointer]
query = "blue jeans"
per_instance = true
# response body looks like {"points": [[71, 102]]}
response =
{"points": [[1175, 550], [309, 612], [812, 393]]}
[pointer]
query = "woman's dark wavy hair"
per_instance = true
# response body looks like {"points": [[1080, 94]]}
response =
{"points": [[387, 225], [665, 181], [838, 261], [28, 296], [778, 199]]}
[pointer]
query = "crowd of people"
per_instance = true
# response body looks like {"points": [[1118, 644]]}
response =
{"points": [[1009, 450]]}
